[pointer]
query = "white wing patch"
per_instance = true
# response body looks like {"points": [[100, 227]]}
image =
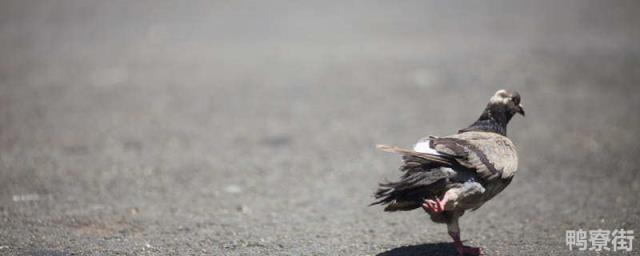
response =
{"points": [[423, 147]]}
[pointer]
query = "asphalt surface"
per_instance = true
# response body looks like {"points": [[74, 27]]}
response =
{"points": [[249, 128]]}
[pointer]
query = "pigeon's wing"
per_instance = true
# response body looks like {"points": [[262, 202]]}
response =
{"points": [[407, 153], [490, 155]]}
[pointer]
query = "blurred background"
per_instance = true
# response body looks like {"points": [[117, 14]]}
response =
{"points": [[249, 127]]}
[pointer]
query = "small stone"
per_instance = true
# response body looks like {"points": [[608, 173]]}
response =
{"points": [[233, 189], [243, 209]]}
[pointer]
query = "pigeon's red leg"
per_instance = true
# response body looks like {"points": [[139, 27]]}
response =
{"points": [[434, 206], [462, 250]]}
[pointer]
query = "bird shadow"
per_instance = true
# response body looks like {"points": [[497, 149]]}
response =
{"points": [[431, 249]]}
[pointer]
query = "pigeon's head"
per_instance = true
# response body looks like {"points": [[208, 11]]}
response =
{"points": [[507, 100], [501, 108]]}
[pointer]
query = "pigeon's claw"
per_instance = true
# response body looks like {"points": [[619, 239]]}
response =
{"points": [[467, 250], [434, 206], [464, 250]]}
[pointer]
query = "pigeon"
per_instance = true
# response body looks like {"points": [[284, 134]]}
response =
{"points": [[447, 176]]}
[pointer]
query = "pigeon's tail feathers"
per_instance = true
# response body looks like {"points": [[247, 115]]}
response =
{"points": [[387, 195], [419, 182], [401, 206], [418, 157], [424, 177]]}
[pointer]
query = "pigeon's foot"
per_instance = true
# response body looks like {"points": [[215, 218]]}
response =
{"points": [[434, 206], [467, 250], [464, 250]]}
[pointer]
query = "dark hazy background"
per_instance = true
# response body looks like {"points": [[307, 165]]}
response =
{"points": [[248, 128]]}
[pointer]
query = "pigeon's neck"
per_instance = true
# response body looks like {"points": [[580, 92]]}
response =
{"points": [[494, 119]]}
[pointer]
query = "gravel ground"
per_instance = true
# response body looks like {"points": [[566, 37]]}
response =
{"points": [[248, 128]]}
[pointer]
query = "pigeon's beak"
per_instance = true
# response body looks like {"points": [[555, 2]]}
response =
{"points": [[519, 109]]}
